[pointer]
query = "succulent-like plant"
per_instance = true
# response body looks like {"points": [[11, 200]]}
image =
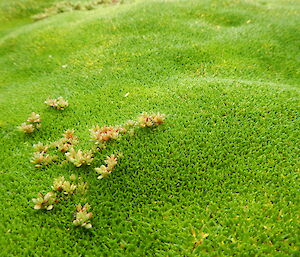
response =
{"points": [[81, 187], [57, 184], [150, 120], [79, 158], [111, 162], [105, 170], [33, 122], [62, 185], [69, 134], [130, 124], [39, 147], [62, 145], [26, 128], [44, 201], [104, 134], [68, 188], [42, 159], [82, 216], [66, 142], [60, 188], [34, 118], [73, 177], [59, 103], [130, 127]]}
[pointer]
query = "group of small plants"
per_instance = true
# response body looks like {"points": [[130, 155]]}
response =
{"points": [[63, 189], [63, 7], [64, 151]]}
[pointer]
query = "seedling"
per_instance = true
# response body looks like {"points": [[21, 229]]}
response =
{"points": [[26, 128], [44, 201], [79, 158], [66, 142], [59, 103], [82, 216], [106, 170], [42, 159], [39, 147], [150, 120], [33, 122], [104, 134], [64, 186]]}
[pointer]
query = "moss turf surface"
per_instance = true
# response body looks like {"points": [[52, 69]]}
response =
{"points": [[226, 162]]}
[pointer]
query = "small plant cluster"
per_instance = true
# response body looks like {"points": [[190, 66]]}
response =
{"points": [[45, 201], [151, 120], [82, 216], [62, 188], [61, 185], [101, 136], [34, 120], [59, 103], [42, 157], [33, 123], [105, 170], [106, 133], [63, 7], [67, 142], [80, 158]]}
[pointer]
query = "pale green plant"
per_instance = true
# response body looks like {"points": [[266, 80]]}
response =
{"points": [[68, 188], [39, 147], [82, 216], [130, 127], [33, 122], [105, 133], [64, 186], [73, 177], [59, 103], [79, 158], [34, 118], [26, 128], [63, 145], [105, 170], [66, 142], [57, 184], [69, 134], [44, 201], [150, 120], [41, 159], [130, 124], [60, 188]]}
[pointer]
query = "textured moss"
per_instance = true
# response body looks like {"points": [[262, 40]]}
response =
{"points": [[219, 178]]}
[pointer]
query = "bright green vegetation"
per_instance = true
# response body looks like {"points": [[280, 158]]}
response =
{"points": [[225, 163]]}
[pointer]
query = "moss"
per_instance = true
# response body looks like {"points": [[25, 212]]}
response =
{"points": [[218, 178]]}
